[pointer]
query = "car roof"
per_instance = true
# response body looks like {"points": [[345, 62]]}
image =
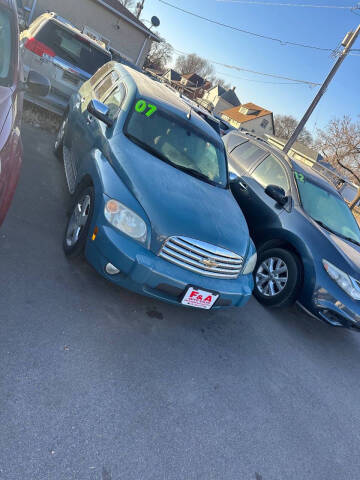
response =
{"points": [[295, 165], [169, 100]]}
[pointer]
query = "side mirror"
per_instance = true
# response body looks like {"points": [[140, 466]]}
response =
{"points": [[100, 111], [37, 85], [233, 178], [277, 193]]}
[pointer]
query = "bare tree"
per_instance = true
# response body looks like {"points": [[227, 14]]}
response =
{"points": [[192, 63], [340, 142], [160, 54], [129, 4], [222, 83], [285, 126]]}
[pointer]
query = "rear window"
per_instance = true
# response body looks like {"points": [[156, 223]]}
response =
{"points": [[72, 47]]}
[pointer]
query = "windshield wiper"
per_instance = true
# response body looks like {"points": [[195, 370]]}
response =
{"points": [[323, 225], [153, 151], [148, 148], [195, 173]]}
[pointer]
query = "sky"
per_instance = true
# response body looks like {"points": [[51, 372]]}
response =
{"points": [[315, 26]]}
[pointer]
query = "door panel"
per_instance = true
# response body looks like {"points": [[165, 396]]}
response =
{"points": [[261, 211]]}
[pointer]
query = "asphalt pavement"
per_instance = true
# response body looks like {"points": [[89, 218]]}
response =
{"points": [[101, 384]]}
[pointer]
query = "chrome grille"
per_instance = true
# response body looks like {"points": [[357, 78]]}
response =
{"points": [[201, 257]]}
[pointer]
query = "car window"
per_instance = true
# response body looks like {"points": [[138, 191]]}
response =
{"points": [[326, 208], [94, 80], [115, 99], [177, 142], [246, 155], [271, 172], [105, 85], [72, 48], [5, 47]]}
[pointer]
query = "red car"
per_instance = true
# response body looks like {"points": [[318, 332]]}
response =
{"points": [[12, 87]]}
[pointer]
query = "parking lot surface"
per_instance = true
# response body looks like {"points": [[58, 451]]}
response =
{"points": [[99, 383]]}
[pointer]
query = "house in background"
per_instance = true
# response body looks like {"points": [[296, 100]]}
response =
{"points": [[217, 99], [128, 37], [172, 76], [253, 118], [192, 80], [298, 151]]}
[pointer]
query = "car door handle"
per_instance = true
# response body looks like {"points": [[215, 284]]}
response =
{"points": [[243, 185]]}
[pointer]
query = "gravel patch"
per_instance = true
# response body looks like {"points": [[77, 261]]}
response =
{"points": [[40, 118]]}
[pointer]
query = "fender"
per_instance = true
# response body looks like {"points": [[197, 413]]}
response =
{"points": [[98, 171]]}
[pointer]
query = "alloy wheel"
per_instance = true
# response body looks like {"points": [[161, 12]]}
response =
{"points": [[271, 276], [78, 220], [60, 135]]}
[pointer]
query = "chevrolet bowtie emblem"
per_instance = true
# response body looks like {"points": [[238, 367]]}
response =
{"points": [[207, 262]]}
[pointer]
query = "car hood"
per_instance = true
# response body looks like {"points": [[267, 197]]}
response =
{"points": [[5, 105], [178, 204]]}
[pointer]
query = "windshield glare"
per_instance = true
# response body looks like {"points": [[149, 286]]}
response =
{"points": [[328, 209], [5, 47], [180, 144]]}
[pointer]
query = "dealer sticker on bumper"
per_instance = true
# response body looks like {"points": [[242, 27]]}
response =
{"points": [[197, 298]]}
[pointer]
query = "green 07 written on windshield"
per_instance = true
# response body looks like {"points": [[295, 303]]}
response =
{"points": [[176, 142]]}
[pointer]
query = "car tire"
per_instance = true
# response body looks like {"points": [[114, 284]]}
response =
{"points": [[59, 142], [277, 277], [80, 215]]}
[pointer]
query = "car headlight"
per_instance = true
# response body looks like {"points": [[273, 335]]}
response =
{"points": [[125, 220], [347, 283], [250, 264]]}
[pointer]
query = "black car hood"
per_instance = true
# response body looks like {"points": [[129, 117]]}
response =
{"points": [[177, 203]]}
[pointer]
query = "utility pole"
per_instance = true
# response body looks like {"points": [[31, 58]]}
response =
{"points": [[139, 8], [347, 43]]}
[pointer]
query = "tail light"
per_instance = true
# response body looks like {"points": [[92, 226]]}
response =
{"points": [[38, 48]]}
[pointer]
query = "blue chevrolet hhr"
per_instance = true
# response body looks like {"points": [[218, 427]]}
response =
{"points": [[152, 209]]}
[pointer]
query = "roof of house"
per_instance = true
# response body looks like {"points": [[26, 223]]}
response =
{"points": [[231, 97], [174, 75], [194, 78], [235, 114], [119, 9], [218, 90]]}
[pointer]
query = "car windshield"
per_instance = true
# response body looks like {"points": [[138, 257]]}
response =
{"points": [[72, 47], [327, 209], [5, 47], [177, 142]]}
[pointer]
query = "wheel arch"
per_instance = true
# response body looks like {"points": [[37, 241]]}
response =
{"points": [[294, 245]]}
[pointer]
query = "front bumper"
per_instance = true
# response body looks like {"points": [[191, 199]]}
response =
{"points": [[145, 273], [336, 309]]}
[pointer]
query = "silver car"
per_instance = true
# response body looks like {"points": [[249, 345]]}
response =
{"points": [[58, 50]]}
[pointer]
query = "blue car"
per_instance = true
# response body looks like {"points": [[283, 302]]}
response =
{"points": [[152, 207], [308, 240]]}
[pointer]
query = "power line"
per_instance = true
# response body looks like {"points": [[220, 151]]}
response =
{"points": [[278, 4], [258, 35], [257, 81], [241, 69]]}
